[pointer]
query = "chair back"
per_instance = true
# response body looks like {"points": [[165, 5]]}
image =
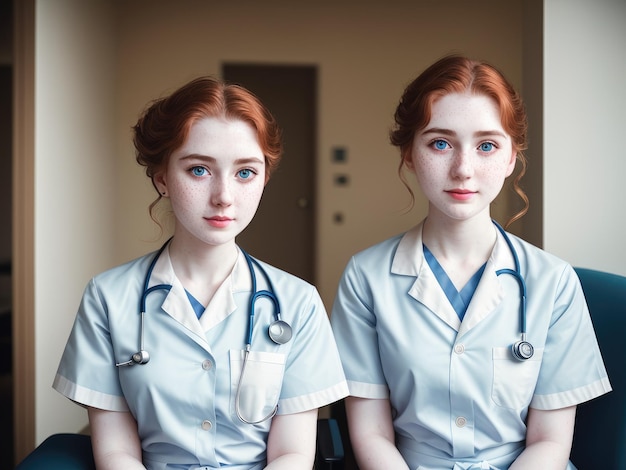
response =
{"points": [[600, 433], [61, 452]]}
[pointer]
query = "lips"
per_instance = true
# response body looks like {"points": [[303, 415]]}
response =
{"points": [[219, 221], [461, 194]]}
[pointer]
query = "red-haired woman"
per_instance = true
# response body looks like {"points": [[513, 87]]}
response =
{"points": [[463, 345], [199, 356]]}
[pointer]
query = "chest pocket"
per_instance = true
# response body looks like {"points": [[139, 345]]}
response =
{"points": [[260, 385], [514, 380]]}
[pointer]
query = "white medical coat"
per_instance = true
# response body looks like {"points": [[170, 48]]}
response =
{"points": [[183, 398], [458, 396]]}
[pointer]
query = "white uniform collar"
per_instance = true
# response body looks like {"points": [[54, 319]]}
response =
{"points": [[409, 256], [177, 304], [409, 261]]}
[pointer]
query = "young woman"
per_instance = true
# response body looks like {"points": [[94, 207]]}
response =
{"points": [[199, 356], [464, 346]]}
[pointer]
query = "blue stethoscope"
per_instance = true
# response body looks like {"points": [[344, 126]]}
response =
{"points": [[521, 349], [279, 331]]}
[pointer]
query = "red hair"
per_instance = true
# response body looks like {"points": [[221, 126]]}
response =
{"points": [[457, 74], [165, 124]]}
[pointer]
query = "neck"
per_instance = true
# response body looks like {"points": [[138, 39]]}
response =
{"points": [[461, 247], [202, 268]]}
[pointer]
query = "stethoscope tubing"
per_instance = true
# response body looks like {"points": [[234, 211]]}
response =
{"points": [[518, 277], [522, 349], [258, 294]]}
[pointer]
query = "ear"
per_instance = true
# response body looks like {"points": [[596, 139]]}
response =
{"points": [[407, 160], [159, 180], [512, 162]]}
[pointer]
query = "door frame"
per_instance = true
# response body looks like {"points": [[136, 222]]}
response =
{"points": [[23, 229]]}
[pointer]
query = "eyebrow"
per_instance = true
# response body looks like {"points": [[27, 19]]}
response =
{"points": [[239, 161], [450, 132]]}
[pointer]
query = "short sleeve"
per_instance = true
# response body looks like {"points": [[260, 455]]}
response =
{"points": [[354, 326], [572, 369], [87, 373], [313, 374]]}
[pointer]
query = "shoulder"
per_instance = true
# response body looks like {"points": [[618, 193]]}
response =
{"points": [[279, 276], [373, 264], [301, 297], [382, 252], [533, 253], [539, 263], [125, 273]]}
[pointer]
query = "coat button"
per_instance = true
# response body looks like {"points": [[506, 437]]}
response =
{"points": [[207, 425], [206, 365], [460, 422], [459, 348]]}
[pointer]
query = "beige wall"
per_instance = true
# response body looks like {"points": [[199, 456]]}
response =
{"points": [[75, 181], [365, 53], [98, 62], [585, 156]]}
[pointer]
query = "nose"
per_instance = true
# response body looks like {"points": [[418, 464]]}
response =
{"points": [[221, 193], [462, 165]]}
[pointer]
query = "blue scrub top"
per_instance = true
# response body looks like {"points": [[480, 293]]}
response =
{"points": [[458, 395], [183, 398]]}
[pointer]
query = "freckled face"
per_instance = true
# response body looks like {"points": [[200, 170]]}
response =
{"points": [[214, 181], [462, 157]]}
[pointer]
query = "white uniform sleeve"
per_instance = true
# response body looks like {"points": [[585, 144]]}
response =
{"points": [[572, 370], [354, 325], [87, 373], [313, 373]]}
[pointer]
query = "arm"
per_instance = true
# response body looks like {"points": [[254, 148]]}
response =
{"points": [[548, 439], [372, 434], [115, 440], [291, 441]]}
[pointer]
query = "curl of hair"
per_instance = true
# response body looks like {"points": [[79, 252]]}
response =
{"points": [[164, 125], [458, 74]]}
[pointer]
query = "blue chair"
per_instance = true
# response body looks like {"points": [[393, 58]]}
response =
{"points": [[600, 433]]}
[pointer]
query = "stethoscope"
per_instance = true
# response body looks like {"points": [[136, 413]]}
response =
{"points": [[522, 349], [279, 331]]}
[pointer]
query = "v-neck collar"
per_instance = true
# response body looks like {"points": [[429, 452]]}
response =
{"points": [[409, 260], [177, 305]]}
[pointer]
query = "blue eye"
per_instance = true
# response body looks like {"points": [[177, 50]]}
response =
{"points": [[486, 147], [440, 144], [245, 173], [198, 171]]}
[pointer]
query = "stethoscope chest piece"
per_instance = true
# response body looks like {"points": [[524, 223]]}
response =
{"points": [[522, 350], [280, 332], [141, 357]]}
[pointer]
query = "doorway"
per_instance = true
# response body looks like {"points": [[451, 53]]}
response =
{"points": [[283, 230]]}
